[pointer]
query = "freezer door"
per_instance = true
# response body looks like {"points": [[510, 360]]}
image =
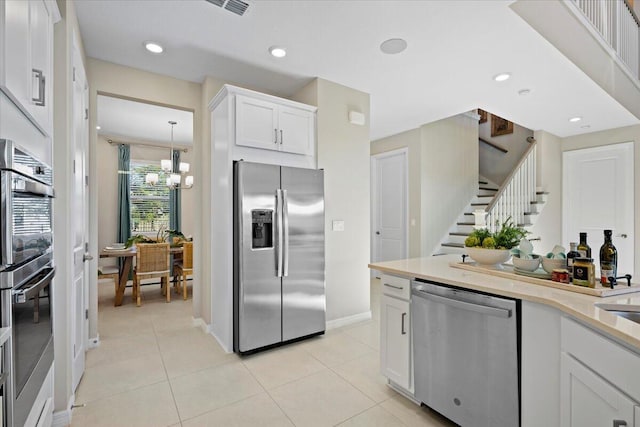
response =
{"points": [[303, 290], [257, 287]]}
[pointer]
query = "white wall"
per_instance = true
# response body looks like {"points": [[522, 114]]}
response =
{"points": [[615, 136], [107, 169], [548, 225], [449, 175], [410, 140], [494, 164], [343, 152]]}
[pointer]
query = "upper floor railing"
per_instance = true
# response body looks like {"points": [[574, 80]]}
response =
{"points": [[618, 26]]}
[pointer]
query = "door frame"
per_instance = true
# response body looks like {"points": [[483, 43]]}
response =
{"points": [[375, 158]]}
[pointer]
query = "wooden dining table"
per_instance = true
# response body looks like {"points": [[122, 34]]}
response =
{"points": [[127, 266]]}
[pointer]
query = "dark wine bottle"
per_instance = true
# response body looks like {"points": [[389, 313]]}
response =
{"points": [[571, 256], [583, 247], [608, 259]]}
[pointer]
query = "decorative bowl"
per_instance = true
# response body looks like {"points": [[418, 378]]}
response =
{"points": [[526, 264], [117, 245], [489, 257], [550, 264]]}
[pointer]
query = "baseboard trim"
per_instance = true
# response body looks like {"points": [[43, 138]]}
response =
{"points": [[198, 322], [403, 392], [63, 418], [224, 347], [348, 320]]}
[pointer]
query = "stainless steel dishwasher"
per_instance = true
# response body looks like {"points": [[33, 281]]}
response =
{"points": [[466, 354]]}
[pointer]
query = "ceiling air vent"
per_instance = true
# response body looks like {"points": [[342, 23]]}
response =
{"points": [[238, 7]]}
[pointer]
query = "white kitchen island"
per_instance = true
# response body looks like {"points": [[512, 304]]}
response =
{"points": [[580, 365]]}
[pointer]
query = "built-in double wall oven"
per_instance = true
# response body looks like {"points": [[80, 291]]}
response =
{"points": [[26, 274]]}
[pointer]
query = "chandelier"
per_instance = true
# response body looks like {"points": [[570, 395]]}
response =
{"points": [[174, 178]]}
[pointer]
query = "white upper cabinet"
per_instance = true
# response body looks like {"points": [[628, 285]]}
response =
{"points": [[26, 70], [270, 123]]}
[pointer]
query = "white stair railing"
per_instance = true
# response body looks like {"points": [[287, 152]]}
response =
{"points": [[517, 192], [618, 26]]}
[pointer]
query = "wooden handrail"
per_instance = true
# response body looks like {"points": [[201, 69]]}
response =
{"points": [[532, 146], [633, 12], [496, 146]]}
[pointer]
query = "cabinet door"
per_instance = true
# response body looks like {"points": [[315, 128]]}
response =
{"points": [[256, 123], [297, 129], [395, 355], [16, 50], [40, 72], [587, 400]]}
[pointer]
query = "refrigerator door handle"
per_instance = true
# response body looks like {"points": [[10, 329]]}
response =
{"points": [[279, 237], [285, 240]]}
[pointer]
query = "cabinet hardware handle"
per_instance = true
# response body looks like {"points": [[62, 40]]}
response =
{"points": [[39, 101], [281, 138], [619, 423], [275, 134], [394, 287], [404, 315]]}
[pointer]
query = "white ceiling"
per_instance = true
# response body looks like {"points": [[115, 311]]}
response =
{"points": [[455, 47], [138, 121]]}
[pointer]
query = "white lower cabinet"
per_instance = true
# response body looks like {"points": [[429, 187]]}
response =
{"points": [[590, 401], [395, 334]]}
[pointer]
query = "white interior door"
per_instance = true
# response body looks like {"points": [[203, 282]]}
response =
{"points": [[389, 208], [598, 195], [80, 213]]}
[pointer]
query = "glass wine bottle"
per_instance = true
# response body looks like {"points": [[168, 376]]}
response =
{"points": [[608, 259], [583, 247]]}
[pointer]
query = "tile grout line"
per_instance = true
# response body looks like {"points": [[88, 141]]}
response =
{"points": [[166, 373]]}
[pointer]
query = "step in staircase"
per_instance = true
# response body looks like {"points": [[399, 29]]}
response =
{"points": [[454, 242]]}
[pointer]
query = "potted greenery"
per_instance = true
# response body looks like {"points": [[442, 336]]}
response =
{"points": [[493, 249]]}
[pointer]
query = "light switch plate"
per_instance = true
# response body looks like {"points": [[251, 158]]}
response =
{"points": [[337, 226]]}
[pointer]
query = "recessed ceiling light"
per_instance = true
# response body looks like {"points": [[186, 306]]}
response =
{"points": [[502, 77], [277, 51], [575, 119], [153, 47], [393, 46], [98, 128], [524, 92]]}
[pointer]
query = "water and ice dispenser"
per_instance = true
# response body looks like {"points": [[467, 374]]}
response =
{"points": [[261, 228]]}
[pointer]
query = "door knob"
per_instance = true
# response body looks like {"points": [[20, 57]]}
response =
{"points": [[87, 257], [623, 235], [378, 233]]}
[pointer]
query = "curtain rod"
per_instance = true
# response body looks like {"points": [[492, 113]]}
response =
{"points": [[163, 147]]}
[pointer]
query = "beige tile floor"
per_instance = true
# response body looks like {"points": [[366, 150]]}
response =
{"points": [[153, 368]]}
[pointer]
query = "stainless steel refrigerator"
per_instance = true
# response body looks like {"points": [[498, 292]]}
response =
{"points": [[279, 288]]}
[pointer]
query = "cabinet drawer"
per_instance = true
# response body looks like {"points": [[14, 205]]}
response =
{"points": [[395, 286], [612, 361]]}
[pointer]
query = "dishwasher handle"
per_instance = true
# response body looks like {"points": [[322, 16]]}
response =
{"points": [[469, 306]]}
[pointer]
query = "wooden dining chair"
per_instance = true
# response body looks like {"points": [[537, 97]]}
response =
{"points": [[184, 267], [109, 272], [152, 262]]}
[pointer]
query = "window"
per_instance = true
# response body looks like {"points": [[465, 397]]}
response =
{"points": [[149, 203]]}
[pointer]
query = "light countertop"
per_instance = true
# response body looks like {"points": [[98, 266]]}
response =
{"points": [[577, 305]]}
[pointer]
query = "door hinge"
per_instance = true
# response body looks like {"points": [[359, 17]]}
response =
{"points": [[74, 166], [86, 313], [86, 180], [86, 246], [74, 74], [86, 114]]}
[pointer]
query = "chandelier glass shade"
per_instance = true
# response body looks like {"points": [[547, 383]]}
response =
{"points": [[174, 177]]}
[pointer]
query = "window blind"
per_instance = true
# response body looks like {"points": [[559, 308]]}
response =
{"points": [[149, 203]]}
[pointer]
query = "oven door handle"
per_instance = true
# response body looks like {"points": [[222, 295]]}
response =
{"points": [[20, 296], [35, 188]]}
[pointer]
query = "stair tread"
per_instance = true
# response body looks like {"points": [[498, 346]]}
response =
{"points": [[465, 223], [479, 204], [483, 182], [456, 233], [485, 195], [488, 188], [453, 245], [542, 192], [531, 213]]}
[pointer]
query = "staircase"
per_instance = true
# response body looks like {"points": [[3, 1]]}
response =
{"points": [[516, 199]]}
